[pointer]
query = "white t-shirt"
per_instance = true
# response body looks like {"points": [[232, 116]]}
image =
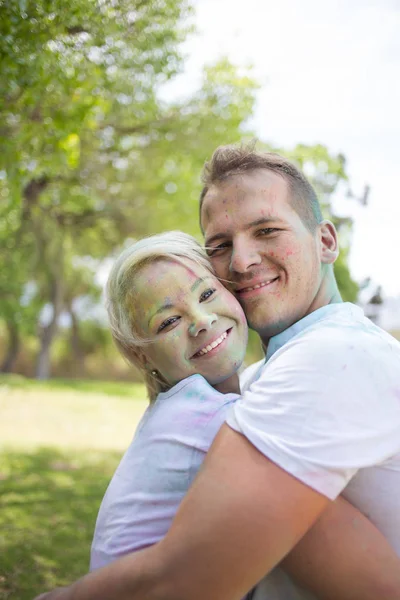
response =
{"points": [[326, 408], [157, 470]]}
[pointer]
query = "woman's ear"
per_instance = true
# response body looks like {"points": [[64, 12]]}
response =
{"points": [[329, 242], [142, 360]]}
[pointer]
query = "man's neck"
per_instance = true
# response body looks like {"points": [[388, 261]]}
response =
{"points": [[333, 298]]}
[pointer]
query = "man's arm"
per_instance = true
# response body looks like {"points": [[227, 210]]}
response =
{"points": [[345, 556], [241, 517]]}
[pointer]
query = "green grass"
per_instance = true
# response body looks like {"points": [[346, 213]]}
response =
{"points": [[60, 445], [109, 388]]}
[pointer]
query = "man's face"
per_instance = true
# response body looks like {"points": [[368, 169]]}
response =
{"points": [[258, 243]]}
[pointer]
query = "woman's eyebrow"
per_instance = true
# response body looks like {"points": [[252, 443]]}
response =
{"points": [[198, 282], [162, 308], [168, 305]]}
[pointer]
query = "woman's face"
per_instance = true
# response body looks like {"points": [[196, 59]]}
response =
{"points": [[195, 324]]}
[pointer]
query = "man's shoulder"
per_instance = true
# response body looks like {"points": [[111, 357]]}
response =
{"points": [[339, 334], [341, 348], [250, 374]]}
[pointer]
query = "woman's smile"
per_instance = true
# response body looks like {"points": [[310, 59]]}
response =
{"points": [[195, 325], [213, 346]]}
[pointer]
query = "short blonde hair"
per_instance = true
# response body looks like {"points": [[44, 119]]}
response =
{"points": [[120, 291]]}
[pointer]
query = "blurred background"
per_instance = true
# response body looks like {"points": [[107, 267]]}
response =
{"points": [[108, 111]]}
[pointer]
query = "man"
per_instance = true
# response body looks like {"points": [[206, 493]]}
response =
{"points": [[320, 417]]}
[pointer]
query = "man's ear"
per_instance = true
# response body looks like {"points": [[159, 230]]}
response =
{"points": [[329, 242]]}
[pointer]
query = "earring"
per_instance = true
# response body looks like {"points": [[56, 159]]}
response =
{"points": [[154, 373]]}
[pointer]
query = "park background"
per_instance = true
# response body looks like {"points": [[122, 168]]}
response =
{"points": [[108, 111]]}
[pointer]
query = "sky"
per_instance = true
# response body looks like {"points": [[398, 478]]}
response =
{"points": [[330, 74]]}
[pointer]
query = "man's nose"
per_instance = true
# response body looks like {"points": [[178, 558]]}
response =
{"points": [[202, 322], [244, 257]]}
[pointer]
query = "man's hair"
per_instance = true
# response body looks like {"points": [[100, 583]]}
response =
{"points": [[121, 293], [228, 161]]}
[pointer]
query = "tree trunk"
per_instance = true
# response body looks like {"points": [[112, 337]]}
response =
{"points": [[43, 361], [48, 332], [13, 347], [78, 353]]}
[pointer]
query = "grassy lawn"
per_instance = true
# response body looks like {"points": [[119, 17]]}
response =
{"points": [[59, 445]]}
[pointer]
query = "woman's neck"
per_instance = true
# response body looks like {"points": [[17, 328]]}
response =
{"points": [[229, 386]]}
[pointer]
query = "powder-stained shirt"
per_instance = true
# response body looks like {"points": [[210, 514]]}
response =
{"points": [[325, 406], [158, 468]]}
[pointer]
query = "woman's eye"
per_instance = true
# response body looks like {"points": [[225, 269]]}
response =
{"points": [[167, 323], [205, 295]]}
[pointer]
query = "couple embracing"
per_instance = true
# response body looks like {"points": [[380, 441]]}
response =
{"points": [[298, 494]]}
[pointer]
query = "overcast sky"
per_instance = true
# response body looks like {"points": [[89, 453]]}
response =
{"points": [[330, 74]]}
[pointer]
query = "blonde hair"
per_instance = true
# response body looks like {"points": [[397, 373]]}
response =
{"points": [[120, 291]]}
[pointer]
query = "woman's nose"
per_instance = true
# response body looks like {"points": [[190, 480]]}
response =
{"points": [[202, 322]]}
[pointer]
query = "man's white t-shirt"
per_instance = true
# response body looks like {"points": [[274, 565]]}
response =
{"points": [[325, 406]]}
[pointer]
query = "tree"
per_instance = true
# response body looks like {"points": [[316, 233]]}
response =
{"points": [[92, 155], [81, 112]]}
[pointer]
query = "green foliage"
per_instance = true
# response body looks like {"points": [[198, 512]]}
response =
{"points": [[349, 288], [91, 154], [165, 190], [324, 169]]}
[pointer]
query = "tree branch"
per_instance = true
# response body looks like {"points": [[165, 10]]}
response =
{"points": [[76, 30]]}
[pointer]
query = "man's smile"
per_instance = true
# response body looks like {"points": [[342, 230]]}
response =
{"points": [[244, 290]]}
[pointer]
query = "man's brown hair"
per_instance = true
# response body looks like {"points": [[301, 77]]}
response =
{"points": [[228, 161]]}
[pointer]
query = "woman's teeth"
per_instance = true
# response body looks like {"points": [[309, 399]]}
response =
{"points": [[212, 346]]}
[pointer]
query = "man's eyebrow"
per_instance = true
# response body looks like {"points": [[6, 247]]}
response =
{"points": [[256, 223]]}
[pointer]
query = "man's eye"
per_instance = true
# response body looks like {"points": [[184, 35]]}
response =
{"points": [[207, 294], [267, 230], [167, 323], [217, 249]]}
